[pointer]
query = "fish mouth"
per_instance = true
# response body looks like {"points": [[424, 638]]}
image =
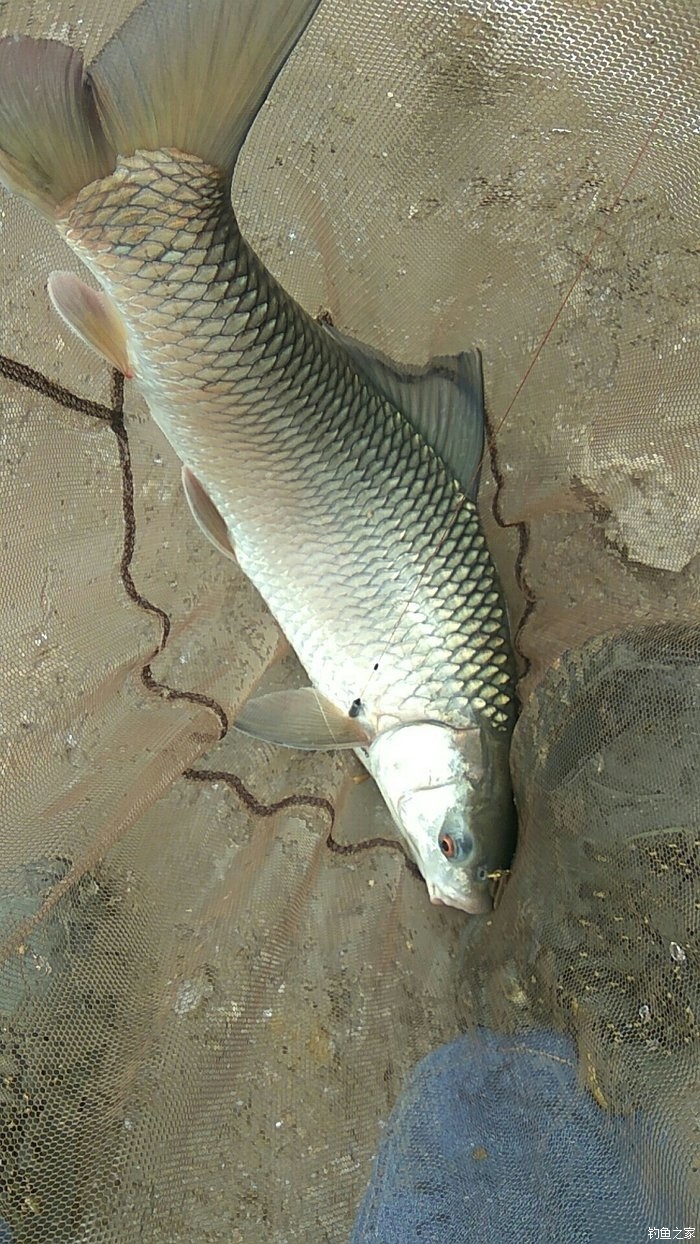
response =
{"points": [[477, 903]]}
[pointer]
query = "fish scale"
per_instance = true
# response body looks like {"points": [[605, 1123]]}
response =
{"points": [[342, 483], [307, 456]]}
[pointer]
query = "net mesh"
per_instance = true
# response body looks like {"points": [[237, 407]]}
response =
{"points": [[216, 967]]}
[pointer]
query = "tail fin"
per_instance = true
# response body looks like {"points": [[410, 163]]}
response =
{"points": [[190, 74], [51, 140], [193, 74]]}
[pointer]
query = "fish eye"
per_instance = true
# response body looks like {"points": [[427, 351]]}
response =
{"points": [[455, 846], [447, 845]]}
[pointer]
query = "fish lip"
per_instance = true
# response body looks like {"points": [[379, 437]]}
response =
{"points": [[478, 903]]}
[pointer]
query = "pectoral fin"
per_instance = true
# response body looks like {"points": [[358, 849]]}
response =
{"points": [[302, 719], [206, 515], [92, 317]]}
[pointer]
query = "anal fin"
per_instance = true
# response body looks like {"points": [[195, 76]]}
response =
{"points": [[91, 317]]}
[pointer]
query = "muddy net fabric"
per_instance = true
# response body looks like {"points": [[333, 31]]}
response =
{"points": [[217, 973]]}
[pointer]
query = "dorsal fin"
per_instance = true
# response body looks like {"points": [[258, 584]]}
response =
{"points": [[443, 400]]}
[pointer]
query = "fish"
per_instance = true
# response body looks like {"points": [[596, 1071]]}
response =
{"points": [[342, 483]]}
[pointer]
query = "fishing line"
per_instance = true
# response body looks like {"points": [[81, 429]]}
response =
{"points": [[582, 268]]}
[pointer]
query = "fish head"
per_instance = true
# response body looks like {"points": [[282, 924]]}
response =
{"points": [[450, 796]]}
